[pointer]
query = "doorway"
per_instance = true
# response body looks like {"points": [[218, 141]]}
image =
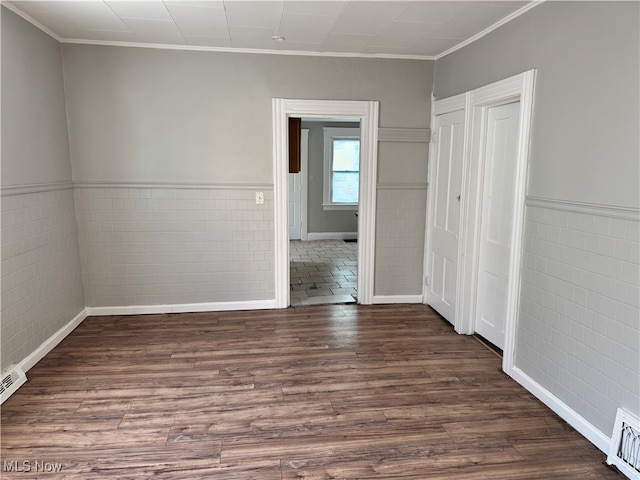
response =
{"points": [[323, 254], [482, 291], [364, 112]]}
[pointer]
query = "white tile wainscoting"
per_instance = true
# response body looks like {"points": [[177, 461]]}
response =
{"points": [[400, 229], [579, 325], [41, 281], [154, 245]]}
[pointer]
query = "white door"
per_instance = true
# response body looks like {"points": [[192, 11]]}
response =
{"points": [[295, 205], [445, 213], [497, 221]]}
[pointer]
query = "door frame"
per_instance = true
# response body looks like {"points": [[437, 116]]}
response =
{"points": [[476, 104], [366, 112], [517, 88]]}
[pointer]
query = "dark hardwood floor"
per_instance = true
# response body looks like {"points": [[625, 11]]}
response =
{"points": [[333, 392]]}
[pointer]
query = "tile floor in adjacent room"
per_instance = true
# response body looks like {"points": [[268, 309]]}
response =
{"points": [[323, 272]]}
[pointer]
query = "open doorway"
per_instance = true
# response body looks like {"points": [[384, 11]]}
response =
{"points": [[366, 114], [323, 214]]}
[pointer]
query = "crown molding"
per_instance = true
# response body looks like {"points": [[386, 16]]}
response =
{"points": [[490, 29], [253, 51], [30, 19]]}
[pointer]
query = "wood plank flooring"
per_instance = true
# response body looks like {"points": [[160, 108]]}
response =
{"points": [[332, 392]]}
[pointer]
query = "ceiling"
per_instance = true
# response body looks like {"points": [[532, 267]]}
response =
{"points": [[405, 29]]}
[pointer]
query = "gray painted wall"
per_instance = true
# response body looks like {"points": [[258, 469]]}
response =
{"points": [[41, 282], [35, 143], [578, 331], [586, 125], [141, 114], [318, 219], [145, 115]]}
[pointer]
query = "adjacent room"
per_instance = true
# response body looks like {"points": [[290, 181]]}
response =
{"points": [[178, 301]]}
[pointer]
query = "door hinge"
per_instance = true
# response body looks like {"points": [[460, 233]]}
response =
{"points": [[426, 280], [434, 136]]}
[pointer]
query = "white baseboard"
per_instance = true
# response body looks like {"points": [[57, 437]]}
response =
{"points": [[332, 236], [182, 308], [569, 415], [49, 344], [381, 299]]}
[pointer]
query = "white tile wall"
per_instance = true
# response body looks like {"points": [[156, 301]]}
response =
{"points": [[579, 325], [150, 246], [400, 227], [41, 281]]}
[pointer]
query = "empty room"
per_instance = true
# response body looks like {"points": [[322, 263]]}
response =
{"points": [[320, 239]]}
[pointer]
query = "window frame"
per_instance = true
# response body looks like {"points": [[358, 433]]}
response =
{"points": [[330, 134]]}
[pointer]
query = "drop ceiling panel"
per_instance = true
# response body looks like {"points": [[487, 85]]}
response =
{"points": [[401, 34], [305, 28], [198, 21], [431, 12], [325, 8], [367, 18], [148, 10], [155, 31], [254, 14]]}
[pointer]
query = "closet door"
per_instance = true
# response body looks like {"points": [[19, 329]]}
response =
{"points": [[444, 219], [497, 221]]}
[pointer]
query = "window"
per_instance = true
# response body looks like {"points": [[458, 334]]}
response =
{"points": [[341, 168]]}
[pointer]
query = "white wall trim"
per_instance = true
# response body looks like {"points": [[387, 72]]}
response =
{"points": [[565, 412], [50, 343], [34, 188], [603, 210], [402, 186], [388, 299], [367, 113], [246, 50], [31, 20], [413, 135], [182, 308], [175, 185], [490, 29], [332, 236], [448, 105]]}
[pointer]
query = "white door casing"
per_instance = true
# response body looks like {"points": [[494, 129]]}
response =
{"points": [[496, 221], [365, 112], [444, 221]]}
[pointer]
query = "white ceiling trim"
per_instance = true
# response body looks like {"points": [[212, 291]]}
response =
{"points": [[490, 29], [32, 21], [246, 50]]}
